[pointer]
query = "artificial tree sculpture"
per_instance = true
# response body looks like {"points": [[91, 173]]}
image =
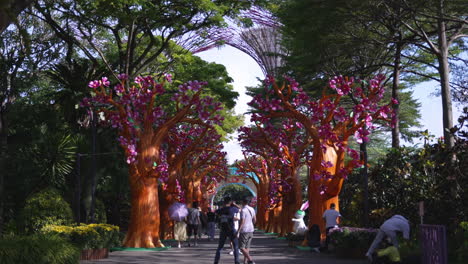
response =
{"points": [[256, 165], [328, 126], [286, 143], [144, 113], [185, 141]]}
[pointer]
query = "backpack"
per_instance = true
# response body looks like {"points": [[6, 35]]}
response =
{"points": [[226, 221], [193, 216]]}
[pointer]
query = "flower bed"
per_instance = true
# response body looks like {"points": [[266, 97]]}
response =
{"points": [[94, 240], [351, 242]]}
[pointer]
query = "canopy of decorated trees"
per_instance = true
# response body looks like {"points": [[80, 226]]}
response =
{"points": [[326, 124], [283, 145], [148, 115]]}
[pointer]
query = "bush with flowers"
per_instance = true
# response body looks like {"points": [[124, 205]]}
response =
{"points": [[351, 242], [92, 236]]}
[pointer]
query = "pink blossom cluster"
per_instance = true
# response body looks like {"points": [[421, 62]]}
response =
{"points": [[180, 192], [98, 83], [130, 149]]}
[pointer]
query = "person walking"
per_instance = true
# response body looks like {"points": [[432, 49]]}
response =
{"points": [[236, 226], [396, 223], [246, 229], [226, 221], [180, 232], [330, 216], [203, 224], [211, 218], [193, 221]]}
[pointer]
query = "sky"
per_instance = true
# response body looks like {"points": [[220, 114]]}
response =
{"points": [[245, 71]]}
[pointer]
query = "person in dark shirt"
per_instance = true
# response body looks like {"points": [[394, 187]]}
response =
{"points": [[193, 221], [226, 222], [211, 218]]}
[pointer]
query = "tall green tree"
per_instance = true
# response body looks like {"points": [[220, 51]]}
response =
{"points": [[25, 49], [449, 20], [9, 10]]}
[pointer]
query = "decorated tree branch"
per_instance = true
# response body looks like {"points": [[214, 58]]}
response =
{"points": [[144, 111]]}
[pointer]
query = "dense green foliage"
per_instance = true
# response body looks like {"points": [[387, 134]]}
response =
{"points": [[37, 249], [236, 191], [93, 236], [462, 242], [406, 176], [349, 242], [45, 208]]}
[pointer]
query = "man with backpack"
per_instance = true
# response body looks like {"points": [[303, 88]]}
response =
{"points": [[226, 223], [193, 221]]}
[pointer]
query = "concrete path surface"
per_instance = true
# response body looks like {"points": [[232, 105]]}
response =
{"points": [[265, 249]]}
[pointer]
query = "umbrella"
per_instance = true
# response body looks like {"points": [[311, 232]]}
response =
{"points": [[178, 211]]}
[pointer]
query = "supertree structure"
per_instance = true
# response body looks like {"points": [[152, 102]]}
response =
{"points": [[261, 40]]}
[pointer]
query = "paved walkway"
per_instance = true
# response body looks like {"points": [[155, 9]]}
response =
{"points": [[265, 249]]}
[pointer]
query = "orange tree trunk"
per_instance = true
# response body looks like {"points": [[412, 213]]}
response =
{"points": [[319, 202], [262, 207], [271, 219], [274, 219], [197, 194], [293, 200], [143, 229], [166, 198], [189, 192]]}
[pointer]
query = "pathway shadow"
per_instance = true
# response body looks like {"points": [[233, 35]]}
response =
{"points": [[265, 250]]}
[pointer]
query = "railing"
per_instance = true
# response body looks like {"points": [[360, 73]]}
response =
{"points": [[433, 241]]}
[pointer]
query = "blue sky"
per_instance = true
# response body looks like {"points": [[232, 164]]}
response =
{"points": [[245, 71]]}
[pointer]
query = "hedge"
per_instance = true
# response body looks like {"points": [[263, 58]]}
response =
{"points": [[37, 249], [351, 242]]}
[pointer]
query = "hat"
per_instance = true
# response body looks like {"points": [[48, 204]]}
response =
{"points": [[300, 212]]}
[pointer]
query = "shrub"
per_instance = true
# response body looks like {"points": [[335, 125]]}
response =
{"points": [[37, 249], [45, 208], [462, 241], [350, 242], [93, 236], [100, 212]]}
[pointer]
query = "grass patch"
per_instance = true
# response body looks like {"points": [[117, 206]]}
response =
{"points": [[138, 249], [304, 248]]}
